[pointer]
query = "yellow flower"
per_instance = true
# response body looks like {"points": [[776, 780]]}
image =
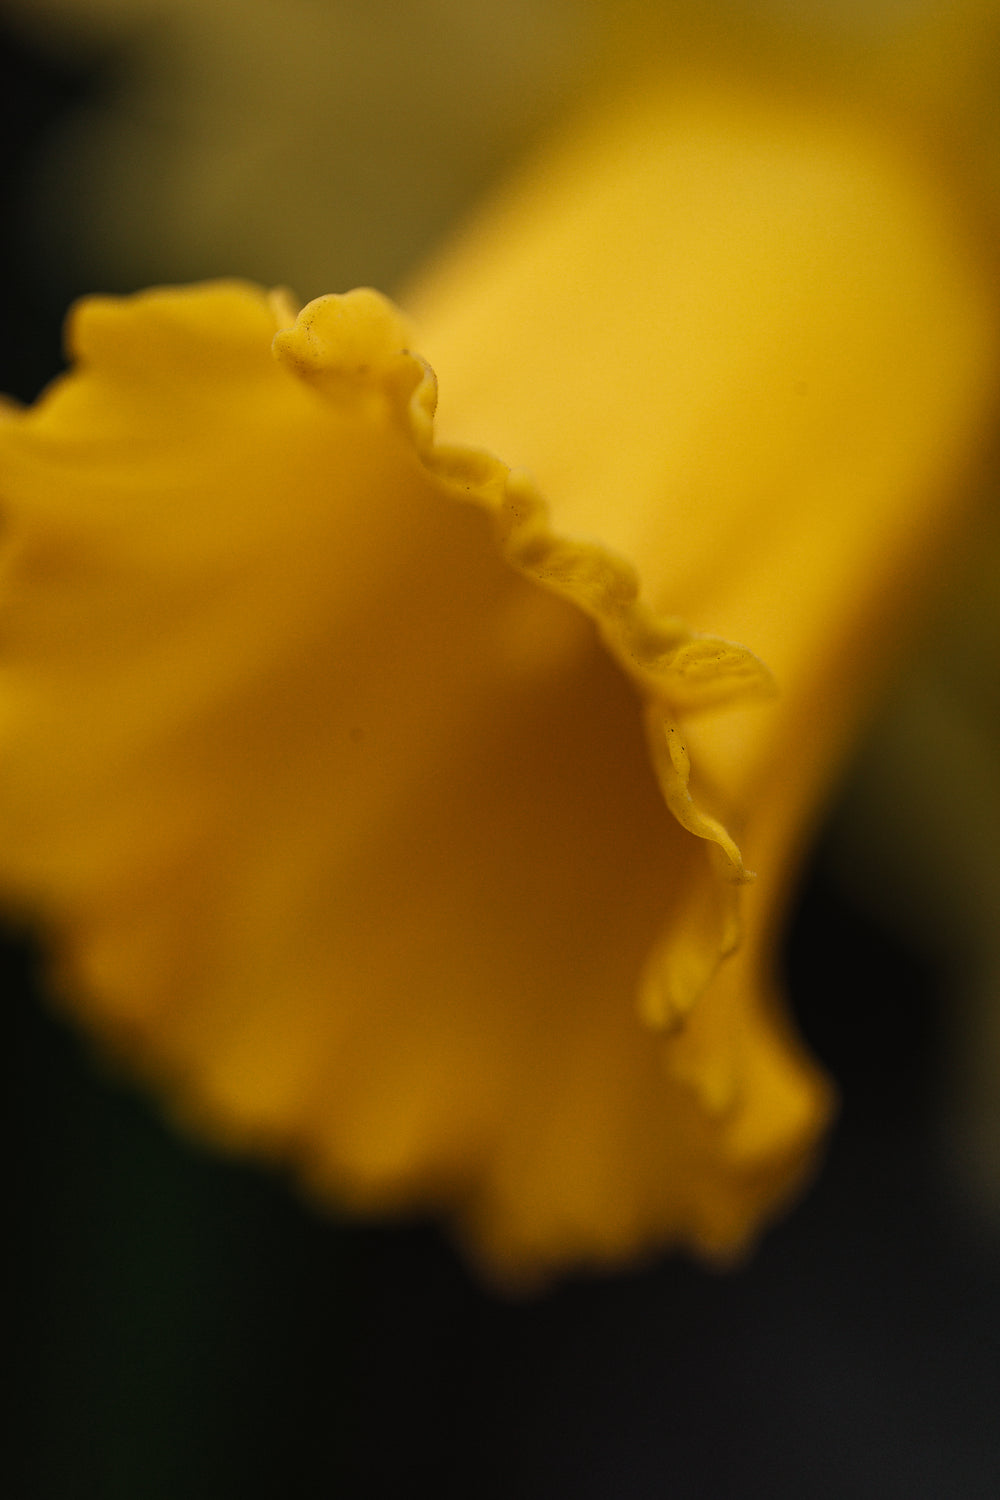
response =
{"points": [[350, 772]]}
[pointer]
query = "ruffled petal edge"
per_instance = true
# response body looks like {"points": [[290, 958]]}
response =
{"points": [[360, 340]]}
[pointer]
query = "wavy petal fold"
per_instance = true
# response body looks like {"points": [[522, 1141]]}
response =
{"points": [[326, 769]]}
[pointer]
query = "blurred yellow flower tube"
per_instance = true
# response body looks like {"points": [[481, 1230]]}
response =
{"points": [[384, 805], [772, 334]]}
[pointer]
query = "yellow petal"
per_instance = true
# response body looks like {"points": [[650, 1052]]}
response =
{"points": [[776, 342], [326, 766], [774, 345]]}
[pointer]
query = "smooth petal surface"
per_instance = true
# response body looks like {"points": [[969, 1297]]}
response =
{"points": [[353, 799], [778, 343]]}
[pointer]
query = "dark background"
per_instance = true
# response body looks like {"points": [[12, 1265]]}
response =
{"points": [[181, 1326]]}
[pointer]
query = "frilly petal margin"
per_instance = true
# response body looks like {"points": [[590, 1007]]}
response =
{"points": [[334, 797]]}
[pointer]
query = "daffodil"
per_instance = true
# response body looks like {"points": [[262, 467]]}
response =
{"points": [[394, 807]]}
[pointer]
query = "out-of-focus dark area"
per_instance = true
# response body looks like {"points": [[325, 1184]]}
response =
{"points": [[34, 95], [184, 1326]]}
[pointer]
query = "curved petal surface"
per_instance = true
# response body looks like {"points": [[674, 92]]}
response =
{"points": [[326, 764]]}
